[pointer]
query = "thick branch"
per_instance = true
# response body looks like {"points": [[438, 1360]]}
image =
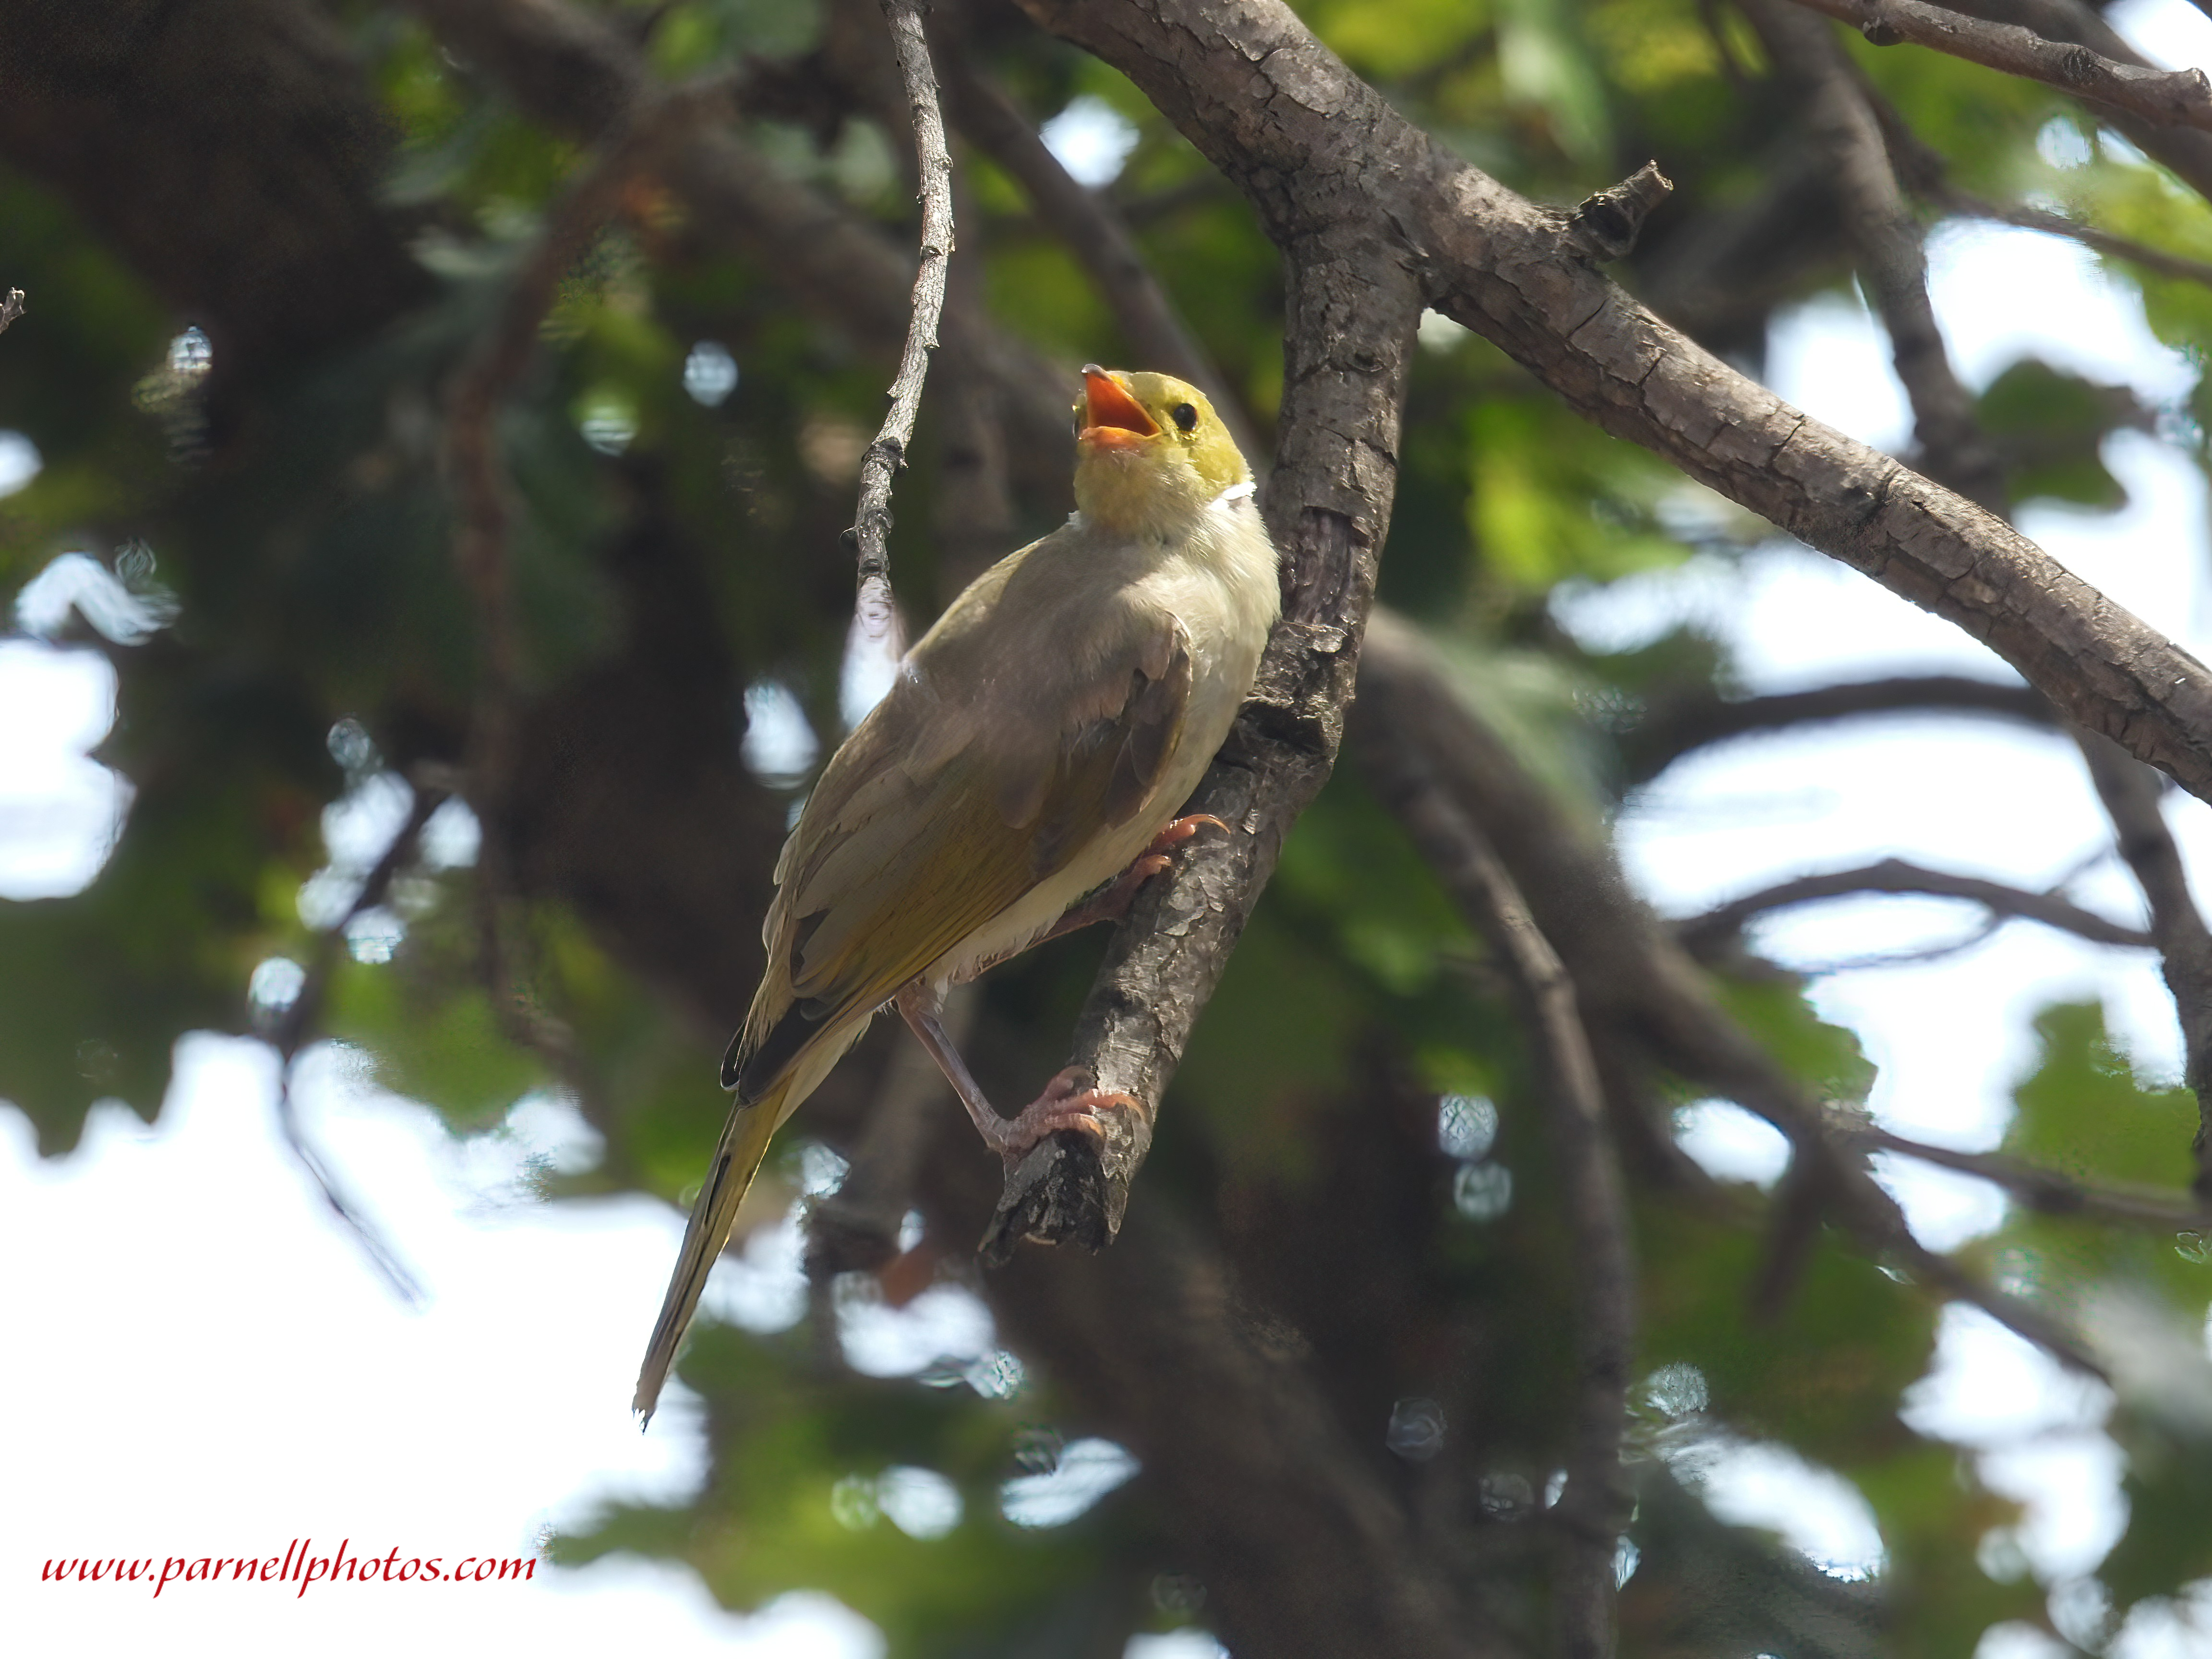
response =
{"points": [[1595, 1504], [1896, 876], [2162, 97], [1330, 166], [1314, 149], [1862, 135], [2187, 150], [1350, 321]]}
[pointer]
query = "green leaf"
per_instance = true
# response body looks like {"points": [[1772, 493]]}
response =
{"points": [[2050, 426]]}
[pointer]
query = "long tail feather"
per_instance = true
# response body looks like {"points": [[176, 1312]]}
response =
{"points": [[745, 1143]]}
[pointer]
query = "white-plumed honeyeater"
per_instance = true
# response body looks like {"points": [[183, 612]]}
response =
{"points": [[1035, 747]]}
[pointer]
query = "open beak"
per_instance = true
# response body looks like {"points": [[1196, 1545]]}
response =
{"points": [[1111, 417]]}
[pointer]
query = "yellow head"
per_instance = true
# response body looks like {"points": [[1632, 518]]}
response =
{"points": [[1151, 454]]}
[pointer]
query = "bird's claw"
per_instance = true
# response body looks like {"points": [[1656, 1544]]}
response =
{"points": [[1066, 1103]]}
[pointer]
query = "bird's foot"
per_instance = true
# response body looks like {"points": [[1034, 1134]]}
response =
{"points": [[1066, 1103], [1112, 901]]}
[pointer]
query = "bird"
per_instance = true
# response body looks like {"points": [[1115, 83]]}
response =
{"points": [[1021, 778]]}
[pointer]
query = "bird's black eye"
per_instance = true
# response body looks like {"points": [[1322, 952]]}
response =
{"points": [[1183, 416]]}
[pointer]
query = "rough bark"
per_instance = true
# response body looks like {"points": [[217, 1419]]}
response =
{"points": [[2158, 98], [1286, 121]]}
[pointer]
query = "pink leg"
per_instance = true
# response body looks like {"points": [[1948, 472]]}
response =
{"points": [[1061, 1106]]}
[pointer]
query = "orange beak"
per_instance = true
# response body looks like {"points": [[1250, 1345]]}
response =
{"points": [[1111, 417]]}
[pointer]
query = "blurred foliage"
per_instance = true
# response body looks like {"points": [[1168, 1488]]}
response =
{"points": [[302, 523]]}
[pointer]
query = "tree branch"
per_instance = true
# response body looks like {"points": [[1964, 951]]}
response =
{"points": [[1595, 1505], [1349, 330], [568, 71], [1701, 933], [2131, 797], [291, 1030], [2187, 150], [2162, 97], [1095, 233], [1636, 981], [1250, 85], [1862, 132], [11, 308], [1330, 165], [874, 614], [1286, 122], [2045, 1191], [1675, 727], [1893, 258], [1967, 205]]}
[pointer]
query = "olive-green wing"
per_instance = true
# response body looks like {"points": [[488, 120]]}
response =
{"points": [[939, 814]]}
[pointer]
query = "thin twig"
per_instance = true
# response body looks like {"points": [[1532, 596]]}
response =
{"points": [[2163, 97], [1595, 1507], [1675, 727], [2047, 1191], [1952, 200], [1920, 955], [11, 308], [875, 617], [2132, 792], [298, 1019], [1896, 876], [1097, 234]]}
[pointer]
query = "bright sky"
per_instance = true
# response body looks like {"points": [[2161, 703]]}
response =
{"points": [[190, 1266]]}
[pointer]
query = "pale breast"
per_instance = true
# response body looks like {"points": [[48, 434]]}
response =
{"points": [[1224, 590]]}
